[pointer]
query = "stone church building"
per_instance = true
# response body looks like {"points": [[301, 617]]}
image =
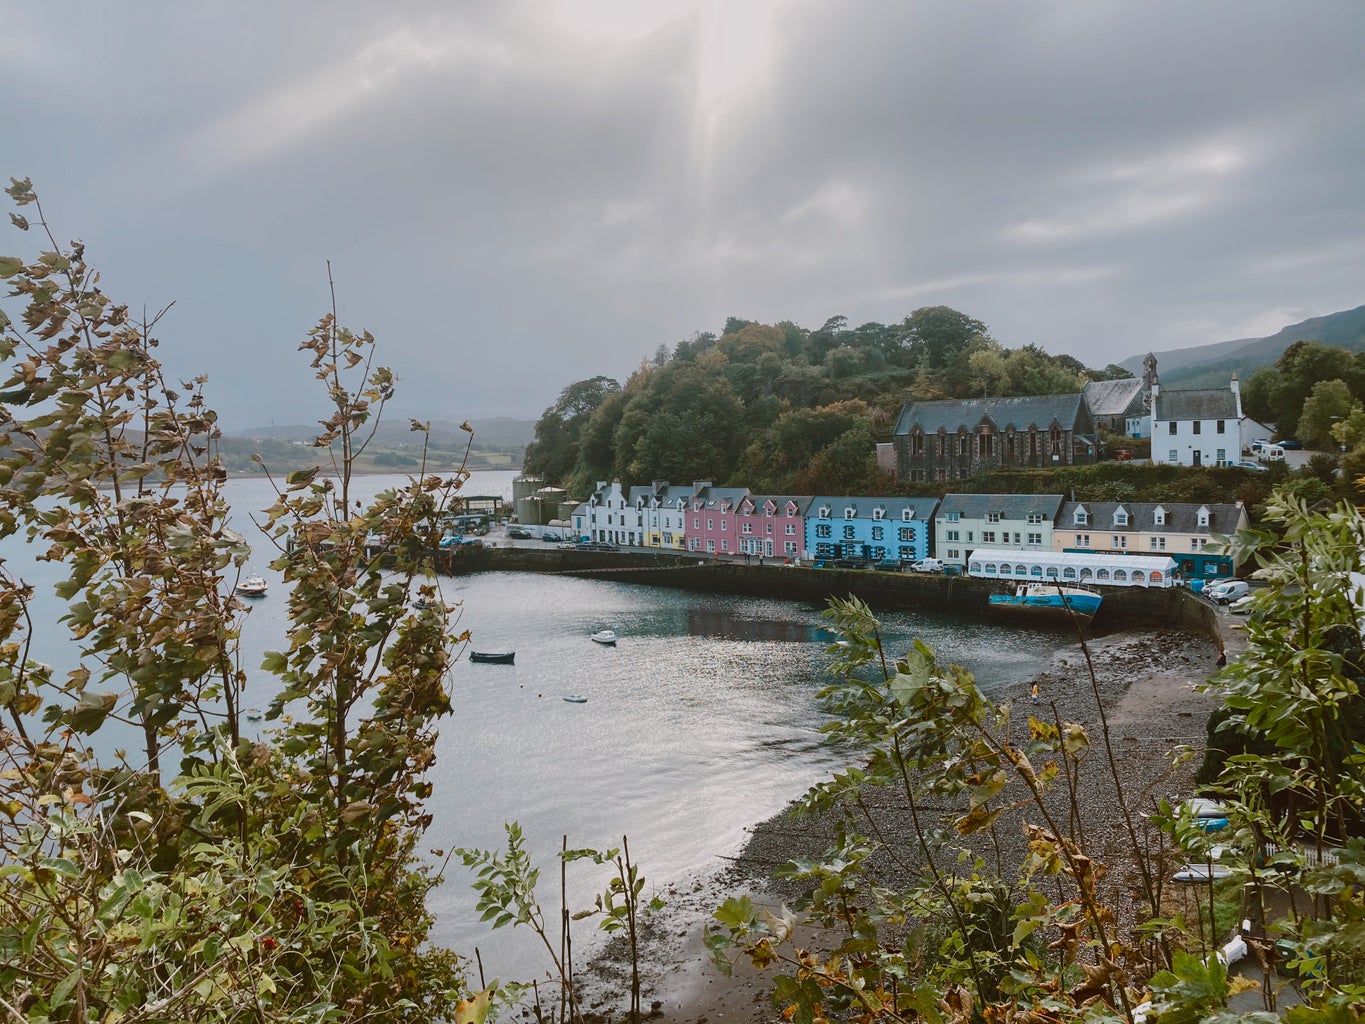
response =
{"points": [[959, 438]]}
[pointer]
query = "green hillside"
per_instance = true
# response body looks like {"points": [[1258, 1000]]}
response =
{"points": [[1213, 365]]}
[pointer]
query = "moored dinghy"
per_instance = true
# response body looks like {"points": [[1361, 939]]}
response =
{"points": [[494, 657], [604, 636]]}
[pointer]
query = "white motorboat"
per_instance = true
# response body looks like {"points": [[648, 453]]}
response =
{"points": [[252, 586], [604, 636]]}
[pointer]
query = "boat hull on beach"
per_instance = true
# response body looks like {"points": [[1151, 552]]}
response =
{"points": [[1048, 601]]}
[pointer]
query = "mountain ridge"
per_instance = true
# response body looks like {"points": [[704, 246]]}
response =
{"points": [[1204, 364]]}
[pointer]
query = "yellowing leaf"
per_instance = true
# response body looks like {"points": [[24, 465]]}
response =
{"points": [[474, 1010]]}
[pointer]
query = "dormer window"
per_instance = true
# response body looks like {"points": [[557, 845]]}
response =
{"points": [[824, 511], [848, 512], [1120, 517], [1159, 516], [907, 514], [1034, 518], [879, 513], [992, 517], [952, 517], [1203, 515], [1082, 517]]}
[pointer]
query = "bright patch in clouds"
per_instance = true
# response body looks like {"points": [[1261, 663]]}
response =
{"points": [[291, 113], [1137, 194]]}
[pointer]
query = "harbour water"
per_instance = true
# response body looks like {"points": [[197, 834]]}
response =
{"points": [[700, 722]]}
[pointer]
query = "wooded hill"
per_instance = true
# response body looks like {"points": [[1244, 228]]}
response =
{"points": [[780, 408]]}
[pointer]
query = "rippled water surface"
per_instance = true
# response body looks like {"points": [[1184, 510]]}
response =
{"points": [[701, 721]]}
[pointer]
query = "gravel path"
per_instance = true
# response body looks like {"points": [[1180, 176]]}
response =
{"points": [[1146, 683]]}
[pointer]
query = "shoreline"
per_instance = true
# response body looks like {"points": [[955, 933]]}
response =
{"points": [[1146, 685]]}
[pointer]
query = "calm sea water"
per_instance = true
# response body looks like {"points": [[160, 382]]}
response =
{"points": [[701, 722]]}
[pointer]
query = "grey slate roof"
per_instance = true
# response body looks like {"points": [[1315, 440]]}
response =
{"points": [[1010, 506], [1203, 404], [780, 501], [923, 508], [711, 497], [1020, 413], [1181, 517], [1113, 397], [661, 490]]}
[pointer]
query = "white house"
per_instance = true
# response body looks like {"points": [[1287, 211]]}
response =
{"points": [[611, 517], [1016, 522], [1198, 428], [662, 509]]}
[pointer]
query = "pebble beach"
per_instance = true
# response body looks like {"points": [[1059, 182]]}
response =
{"points": [[1147, 684]]}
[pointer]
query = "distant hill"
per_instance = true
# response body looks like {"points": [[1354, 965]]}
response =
{"points": [[1212, 365], [498, 432]]}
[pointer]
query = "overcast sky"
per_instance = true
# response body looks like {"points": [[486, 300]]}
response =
{"points": [[517, 195]]}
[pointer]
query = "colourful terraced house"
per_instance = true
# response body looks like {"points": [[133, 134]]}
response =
{"points": [[712, 520], [869, 529], [771, 525], [1188, 532], [661, 509]]}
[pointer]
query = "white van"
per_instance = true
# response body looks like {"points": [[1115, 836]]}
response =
{"points": [[1271, 453], [1227, 591]]}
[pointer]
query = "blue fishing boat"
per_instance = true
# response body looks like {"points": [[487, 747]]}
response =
{"points": [[1050, 600]]}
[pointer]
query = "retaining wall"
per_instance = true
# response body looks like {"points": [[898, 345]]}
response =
{"points": [[1123, 608]]}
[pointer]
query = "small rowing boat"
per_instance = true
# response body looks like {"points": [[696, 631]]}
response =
{"points": [[493, 657]]}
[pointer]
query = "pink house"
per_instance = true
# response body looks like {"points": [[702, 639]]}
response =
{"points": [[710, 526], [772, 526], [728, 521]]}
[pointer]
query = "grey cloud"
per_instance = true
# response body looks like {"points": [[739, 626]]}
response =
{"points": [[512, 200]]}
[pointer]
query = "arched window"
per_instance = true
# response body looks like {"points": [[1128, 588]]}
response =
{"points": [[1155, 578], [1019, 570], [1102, 574], [990, 567], [1139, 576], [1035, 570], [1120, 576], [1005, 569], [1086, 573], [1068, 573], [1052, 572]]}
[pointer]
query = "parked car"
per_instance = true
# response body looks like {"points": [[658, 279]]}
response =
{"points": [[927, 565], [517, 533], [1251, 465], [1123, 455], [885, 565], [595, 545], [1258, 444], [1242, 606], [1227, 591], [1291, 445]]}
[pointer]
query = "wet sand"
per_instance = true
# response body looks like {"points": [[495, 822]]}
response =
{"points": [[1147, 685]]}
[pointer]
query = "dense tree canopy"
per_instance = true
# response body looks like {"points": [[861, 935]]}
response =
{"points": [[779, 407], [1276, 394]]}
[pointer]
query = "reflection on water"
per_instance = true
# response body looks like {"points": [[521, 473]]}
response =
{"points": [[701, 721], [725, 624]]}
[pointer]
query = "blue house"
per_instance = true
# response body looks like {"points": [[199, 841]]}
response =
{"points": [[869, 529]]}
